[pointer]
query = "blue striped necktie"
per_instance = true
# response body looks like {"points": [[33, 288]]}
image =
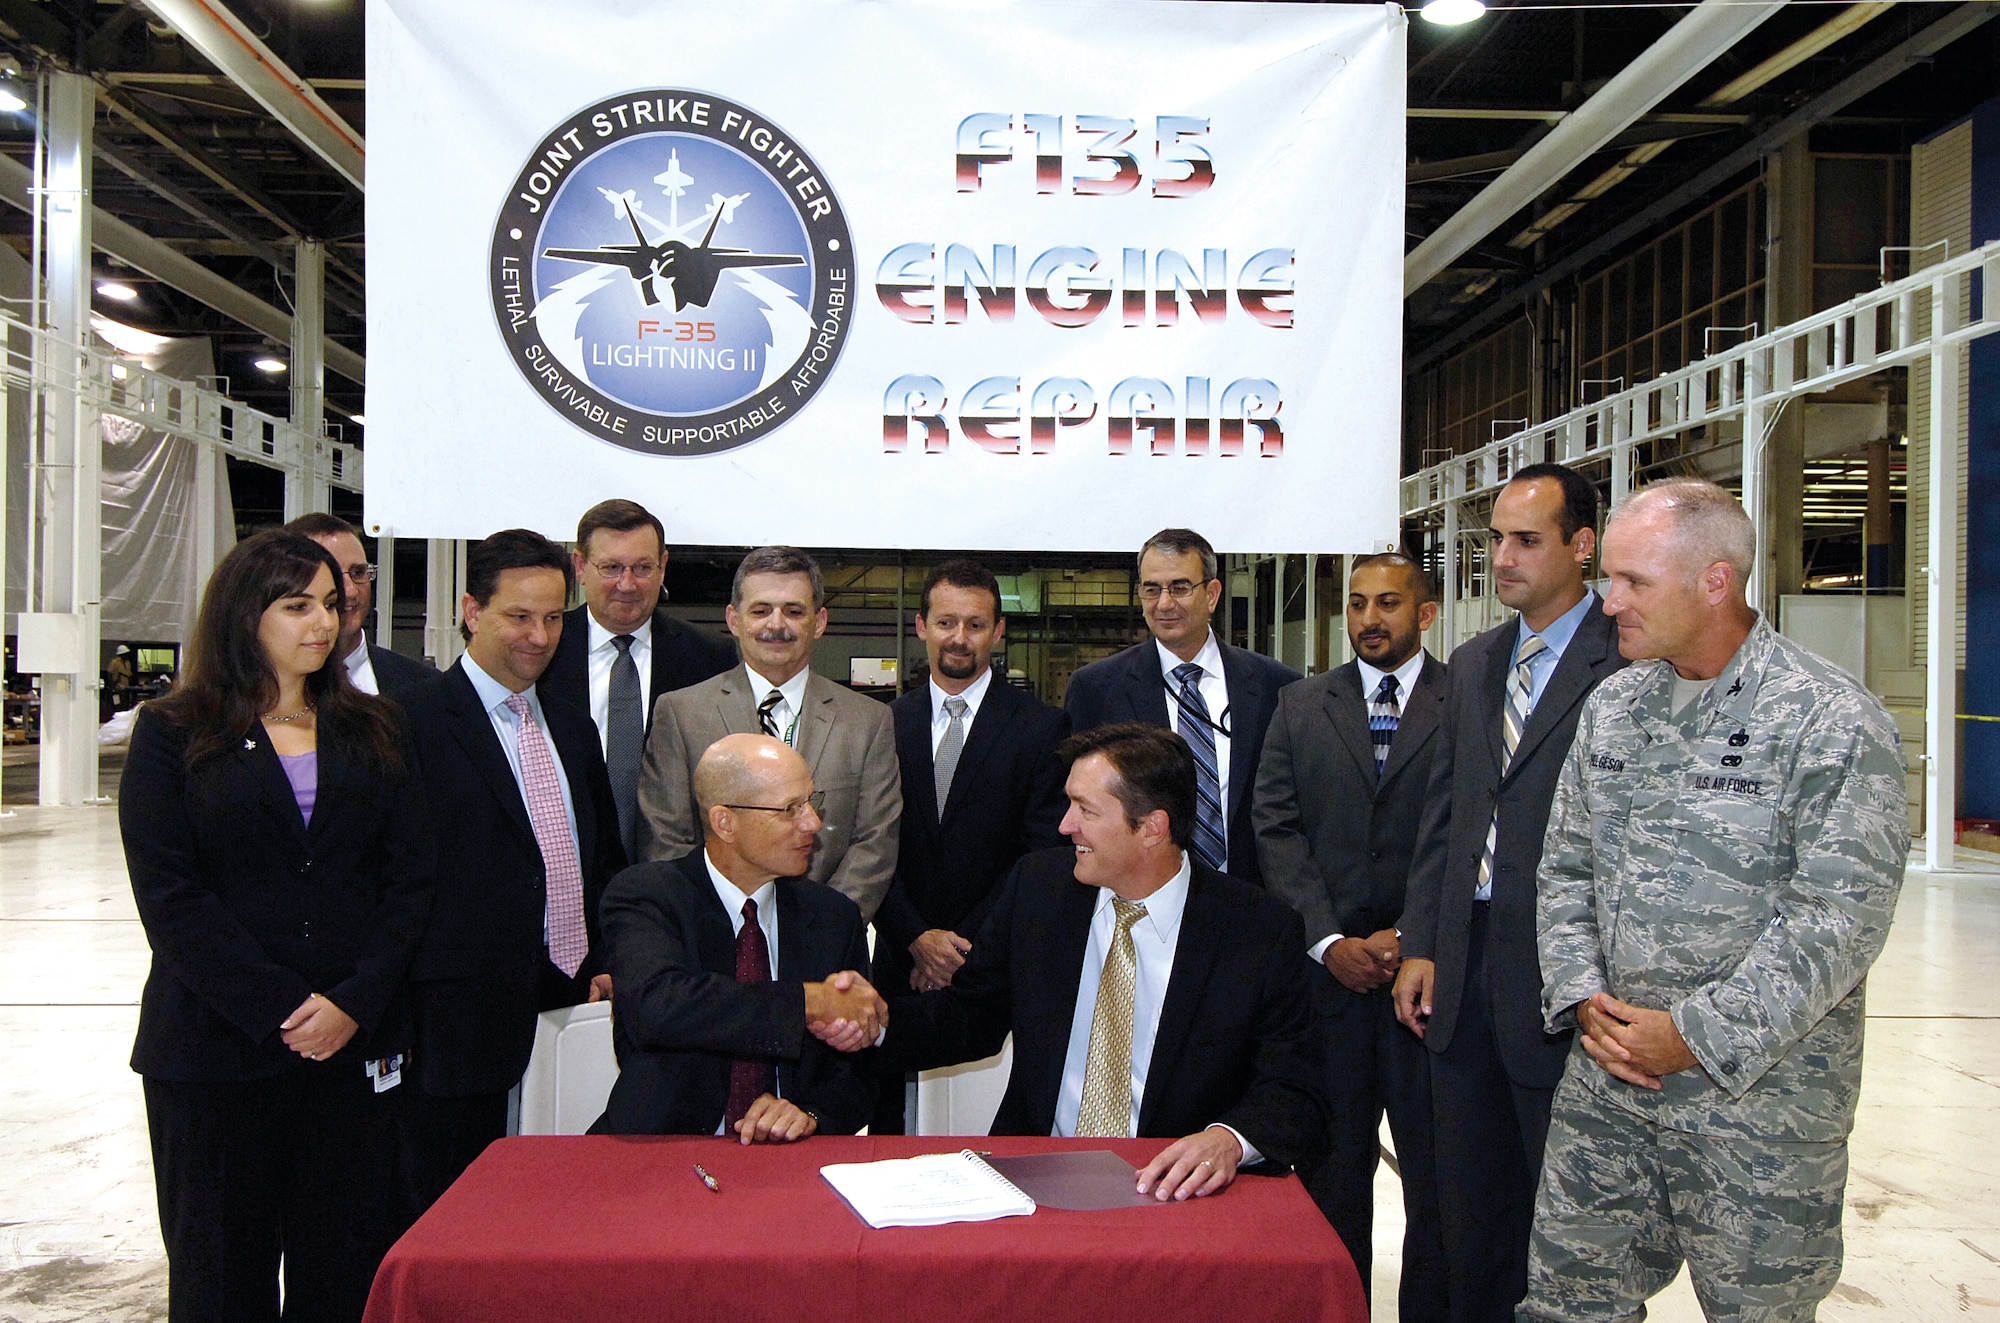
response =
{"points": [[1384, 713], [1211, 835]]}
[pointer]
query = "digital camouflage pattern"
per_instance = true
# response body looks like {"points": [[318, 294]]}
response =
{"points": [[1737, 866]]}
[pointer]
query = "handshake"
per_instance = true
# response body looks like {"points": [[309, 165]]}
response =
{"points": [[845, 1013]]}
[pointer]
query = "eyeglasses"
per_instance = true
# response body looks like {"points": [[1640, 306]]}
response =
{"points": [[360, 573], [794, 810], [611, 571], [1180, 590]]}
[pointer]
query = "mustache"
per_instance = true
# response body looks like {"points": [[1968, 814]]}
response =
{"points": [[780, 635]]}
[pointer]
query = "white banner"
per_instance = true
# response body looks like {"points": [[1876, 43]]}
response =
{"points": [[887, 274]]}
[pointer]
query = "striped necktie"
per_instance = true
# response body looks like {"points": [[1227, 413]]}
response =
{"points": [[767, 714], [1211, 833], [1384, 714], [1520, 702]]}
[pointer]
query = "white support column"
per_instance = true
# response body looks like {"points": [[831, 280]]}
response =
{"points": [[306, 488], [208, 465], [1312, 614], [385, 589], [1941, 680], [1757, 482], [446, 582], [1447, 634], [72, 530]]}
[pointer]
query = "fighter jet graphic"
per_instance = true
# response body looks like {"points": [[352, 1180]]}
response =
{"points": [[686, 275]]}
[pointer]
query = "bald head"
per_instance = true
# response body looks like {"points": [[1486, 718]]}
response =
{"points": [[740, 769]]}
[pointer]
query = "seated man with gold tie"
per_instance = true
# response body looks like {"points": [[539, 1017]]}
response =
{"points": [[1148, 995]]}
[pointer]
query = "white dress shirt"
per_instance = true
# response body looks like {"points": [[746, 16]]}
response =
{"points": [[493, 697], [360, 670], [790, 704], [732, 899], [974, 694], [1371, 680], [1154, 939], [602, 654], [1214, 692]]}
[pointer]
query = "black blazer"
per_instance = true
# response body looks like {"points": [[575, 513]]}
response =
{"points": [[1334, 838], [682, 1017], [1237, 1039], [683, 654], [398, 677], [1006, 799], [249, 910], [475, 979], [1465, 786], [1129, 686]]}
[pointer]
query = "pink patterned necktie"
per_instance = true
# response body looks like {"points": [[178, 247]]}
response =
{"points": [[562, 874]]}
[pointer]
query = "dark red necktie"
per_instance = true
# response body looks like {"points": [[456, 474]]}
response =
{"points": [[750, 1080]]}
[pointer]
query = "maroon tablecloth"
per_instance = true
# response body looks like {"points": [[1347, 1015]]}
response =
{"points": [[552, 1229]]}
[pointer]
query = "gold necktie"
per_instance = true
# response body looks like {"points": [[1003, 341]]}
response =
{"points": [[1107, 1074]]}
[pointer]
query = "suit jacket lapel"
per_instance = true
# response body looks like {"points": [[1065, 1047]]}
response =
{"points": [[715, 928], [996, 713], [1574, 673], [816, 722], [735, 704], [473, 729], [259, 760], [1347, 709], [1146, 685], [1060, 979], [913, 742], [575, 747], [798, 938], [334, 772], [1194, 960], [1246, 698], [1422, 710], [1499, 664]]}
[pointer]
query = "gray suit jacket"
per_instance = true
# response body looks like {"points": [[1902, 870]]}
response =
{"points": [[1466, 787], [848, 741]]}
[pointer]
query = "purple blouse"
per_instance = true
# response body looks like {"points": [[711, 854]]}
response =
{"points": [[302, 770]]}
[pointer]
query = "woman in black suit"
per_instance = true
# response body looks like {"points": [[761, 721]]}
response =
{"points": [[280, 855]]}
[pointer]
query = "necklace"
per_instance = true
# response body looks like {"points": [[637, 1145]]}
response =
{"points": [[305, 711]]}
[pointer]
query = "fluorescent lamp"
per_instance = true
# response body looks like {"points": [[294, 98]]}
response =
{"points": [[111, 289], [10, 100], [359, 421], [1452, 13], [272, 365]]}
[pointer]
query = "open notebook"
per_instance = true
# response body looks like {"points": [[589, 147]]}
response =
{"points": [[935, 1188]]}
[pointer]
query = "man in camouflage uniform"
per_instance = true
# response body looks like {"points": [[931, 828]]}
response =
{"points": [[1722, 862]]}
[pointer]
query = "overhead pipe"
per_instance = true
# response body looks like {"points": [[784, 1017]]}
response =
{"points": [[1685, 50], [114, 236], [231, 47]]}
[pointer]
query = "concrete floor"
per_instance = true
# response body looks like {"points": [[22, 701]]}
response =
{"points": [[79, 1237]]}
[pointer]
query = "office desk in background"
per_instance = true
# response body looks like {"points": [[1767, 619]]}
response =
{"points": [[549, 1228]]}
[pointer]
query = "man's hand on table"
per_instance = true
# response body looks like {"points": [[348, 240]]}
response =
{"points": [[1632, 1043], [1201, 1164], [845, 1013], [772, 1120]]}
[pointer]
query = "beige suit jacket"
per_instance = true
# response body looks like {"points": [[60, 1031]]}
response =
{"points": [[848, 741]]}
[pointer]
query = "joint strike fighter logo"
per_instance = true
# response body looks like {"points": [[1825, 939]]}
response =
{"points": [[671, 273]]}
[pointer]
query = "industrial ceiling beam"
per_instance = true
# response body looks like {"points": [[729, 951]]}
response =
{"points": [[1683, 51], [231, 47], [128, 245], [1897, 60]]}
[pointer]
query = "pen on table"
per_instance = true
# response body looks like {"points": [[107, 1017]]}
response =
{"points": [[706, 1179]]}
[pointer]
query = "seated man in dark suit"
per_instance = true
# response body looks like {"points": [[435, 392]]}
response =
{"points": [[1148, 994], [708, 1041]]}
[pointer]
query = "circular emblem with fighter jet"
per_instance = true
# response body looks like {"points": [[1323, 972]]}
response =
{"points": [[671, 273]]}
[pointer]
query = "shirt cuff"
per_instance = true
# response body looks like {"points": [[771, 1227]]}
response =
{"points": [[1317, 951], [1250, 1153]]}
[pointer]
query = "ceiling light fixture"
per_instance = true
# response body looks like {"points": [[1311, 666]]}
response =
{"points": [[111, 289], [1452, 13], [12, 94], [359, 421], [271, 365]]}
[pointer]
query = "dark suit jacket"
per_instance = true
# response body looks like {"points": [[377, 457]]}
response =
{"points": [[1334, 838], [475, 982], [1006, 799], [682, 1017], [683, 654], [1465, 786], [1130, 687], [397, 677], [1237, 1041], [249, 909]]}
